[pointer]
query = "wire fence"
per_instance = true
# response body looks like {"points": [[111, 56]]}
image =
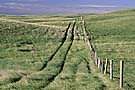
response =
{"points": [[121, 71]]}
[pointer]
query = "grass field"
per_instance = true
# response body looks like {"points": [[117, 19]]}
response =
{"points": [[49, 52], [114, 38]]}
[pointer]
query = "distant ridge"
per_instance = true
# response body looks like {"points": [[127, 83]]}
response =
{"points": [[56, 10]]}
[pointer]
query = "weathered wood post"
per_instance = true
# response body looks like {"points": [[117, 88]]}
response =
{"points": [[121, 74], [111, 69], [99, 62], [106, 62]]}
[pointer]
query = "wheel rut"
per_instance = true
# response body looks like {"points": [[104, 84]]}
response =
{"points": [[63, 40], [64, 59]]}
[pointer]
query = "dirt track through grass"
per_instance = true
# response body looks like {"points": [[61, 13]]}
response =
{"points": [[63, 40], [63, 62], [58, 63]]}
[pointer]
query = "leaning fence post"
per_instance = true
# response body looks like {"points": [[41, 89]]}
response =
{"points": [[106, 62], [111, 69], [121, 74]]}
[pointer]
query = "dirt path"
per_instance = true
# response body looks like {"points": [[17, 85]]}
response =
{"points": [[64, 39]]}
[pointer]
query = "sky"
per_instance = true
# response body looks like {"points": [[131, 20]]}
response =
{"points": [[127, 3], [47, 6]]}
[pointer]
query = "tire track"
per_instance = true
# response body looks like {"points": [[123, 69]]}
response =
{"points": [[48, 73], [63, 40], [72, 39], [63, 62]]}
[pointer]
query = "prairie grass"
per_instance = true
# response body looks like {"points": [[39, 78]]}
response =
{"points": [[114, 38]]}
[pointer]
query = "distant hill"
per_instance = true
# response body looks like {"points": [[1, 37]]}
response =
{"points": [[24, 10]]}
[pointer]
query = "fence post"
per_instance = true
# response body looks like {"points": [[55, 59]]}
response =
{"points": [[106, 62], [121, 74], [111, 69], [99, 61]]}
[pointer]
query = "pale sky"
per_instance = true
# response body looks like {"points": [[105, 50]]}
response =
{"points": [[49, 6], [126, 3]]}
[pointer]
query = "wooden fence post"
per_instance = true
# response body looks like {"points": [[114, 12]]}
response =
{"points": [[106, 62], [121, 74], [99, 61], [111, 69]]}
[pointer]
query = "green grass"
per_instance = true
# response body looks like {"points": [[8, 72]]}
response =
{"points": [[114, 38], [24, 49], [76, 75]]}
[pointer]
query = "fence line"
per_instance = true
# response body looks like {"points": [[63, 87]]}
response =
{"points": [[99, 62]]}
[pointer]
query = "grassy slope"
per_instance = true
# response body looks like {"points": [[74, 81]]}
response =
{"points": [[114, 38], [26, 48]]}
